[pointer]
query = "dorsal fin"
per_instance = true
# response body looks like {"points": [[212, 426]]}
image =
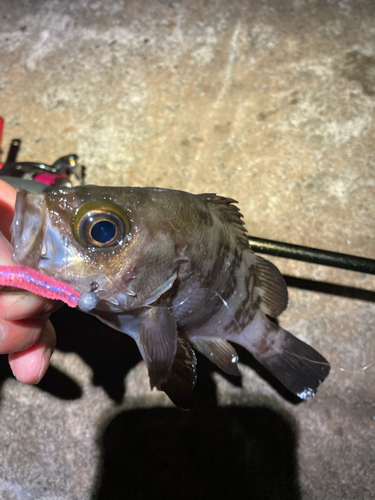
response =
{"points": [[224, 209]]}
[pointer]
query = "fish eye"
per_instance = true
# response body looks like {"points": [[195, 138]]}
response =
{"points": [[100, 224]]}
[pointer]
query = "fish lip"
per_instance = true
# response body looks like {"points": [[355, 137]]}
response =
{"points": [[27, 228]]}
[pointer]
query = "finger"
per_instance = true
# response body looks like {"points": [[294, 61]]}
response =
{"points": [[16, 306], [20, 305], [20, 335], [8, 193], [30, 365], [7, 202], [6, 251]]}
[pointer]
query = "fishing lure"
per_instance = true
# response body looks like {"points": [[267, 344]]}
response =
{"points": [[33, 281]]}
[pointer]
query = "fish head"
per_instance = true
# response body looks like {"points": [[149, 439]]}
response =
{"points": [[110, 241]]}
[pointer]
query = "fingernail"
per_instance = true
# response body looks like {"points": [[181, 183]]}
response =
{"points": [[2, 334], [45, 360]]}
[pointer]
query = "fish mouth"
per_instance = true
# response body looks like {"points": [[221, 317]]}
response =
{"points": [[27, 228]]}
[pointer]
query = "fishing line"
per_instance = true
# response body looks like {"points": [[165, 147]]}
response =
{"points": [[325, 363], [216, 294], [194, 296], [33, 281], [359, 369]]}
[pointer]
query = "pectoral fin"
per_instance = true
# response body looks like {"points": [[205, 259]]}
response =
{"points": [[157, 343], [182, 376]]}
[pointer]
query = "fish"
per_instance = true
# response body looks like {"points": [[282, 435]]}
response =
{"points": [[174, 271]]}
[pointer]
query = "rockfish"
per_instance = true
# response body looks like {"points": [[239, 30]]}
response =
{"points": [[171, 269]]}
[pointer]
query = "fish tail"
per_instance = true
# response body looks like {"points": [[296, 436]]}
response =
{"points": [[298, 366]]}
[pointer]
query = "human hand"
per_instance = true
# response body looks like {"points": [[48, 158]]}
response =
{"points": [[26, 334]]}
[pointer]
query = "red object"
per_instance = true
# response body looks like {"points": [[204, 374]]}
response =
{"points": [[50, 179], [1, 140]]}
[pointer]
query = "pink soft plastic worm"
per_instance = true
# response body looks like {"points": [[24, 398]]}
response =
{"points": [[36, 282]]}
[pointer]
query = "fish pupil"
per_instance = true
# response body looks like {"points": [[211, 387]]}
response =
{"points": [[103, 231]]}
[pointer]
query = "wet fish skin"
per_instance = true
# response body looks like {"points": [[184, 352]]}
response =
{"points": [[182, 275]]}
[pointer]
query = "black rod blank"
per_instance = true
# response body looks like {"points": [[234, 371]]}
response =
{"points": [[313, 255]]}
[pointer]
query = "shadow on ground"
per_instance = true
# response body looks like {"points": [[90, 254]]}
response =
{"points": [[109, 353], [211, 453]]}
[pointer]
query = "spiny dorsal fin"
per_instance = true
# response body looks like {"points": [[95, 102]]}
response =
{"points": [[227, 212], [271, 287]]}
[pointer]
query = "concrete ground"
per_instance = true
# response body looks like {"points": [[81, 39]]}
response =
{"points": [[268, 102]]}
